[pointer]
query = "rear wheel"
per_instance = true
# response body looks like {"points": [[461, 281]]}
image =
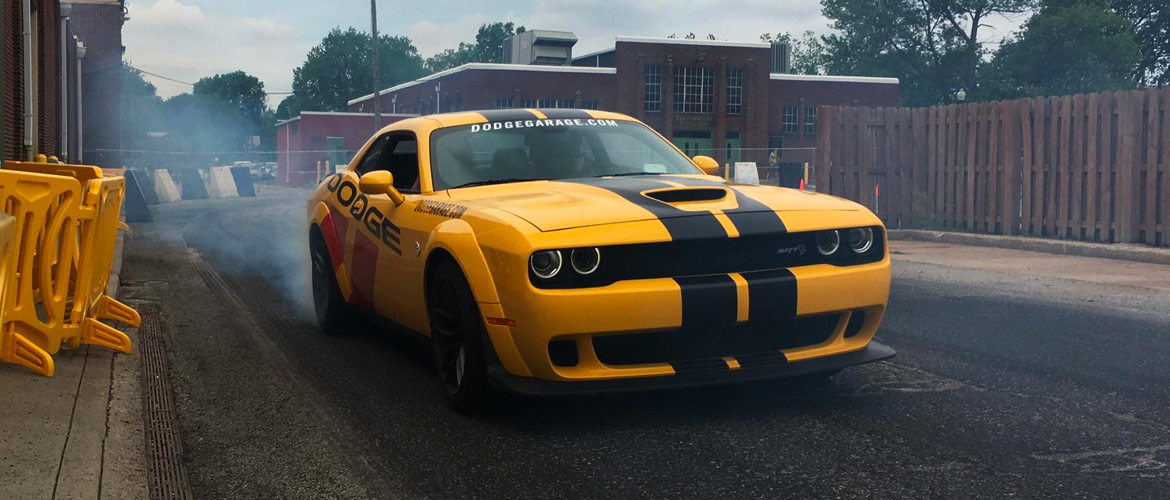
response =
{"points": [[333, 314], [457, 339]]}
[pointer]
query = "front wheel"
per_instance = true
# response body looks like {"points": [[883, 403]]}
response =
{"points": [[457, 339]]}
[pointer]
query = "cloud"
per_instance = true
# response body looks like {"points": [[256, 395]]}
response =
{"points": [[183, 42]]}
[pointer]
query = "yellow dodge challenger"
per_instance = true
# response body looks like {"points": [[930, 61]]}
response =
{"points": [[572, 251]]}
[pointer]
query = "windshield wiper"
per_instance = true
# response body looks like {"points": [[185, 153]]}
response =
{"points": [[494, 181]]}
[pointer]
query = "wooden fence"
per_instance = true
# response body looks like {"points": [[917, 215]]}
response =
{"points": [[1090, 167]]}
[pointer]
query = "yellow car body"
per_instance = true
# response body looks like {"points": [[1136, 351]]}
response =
{"points": [[720, 282]]}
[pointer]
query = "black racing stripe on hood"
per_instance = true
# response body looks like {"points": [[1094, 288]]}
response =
{"points": [[566, 114], [681, 224], [505, 115], [750, 217]]}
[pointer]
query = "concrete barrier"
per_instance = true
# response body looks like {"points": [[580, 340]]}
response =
{"points": [[192, 183], [244, 184], [137, 209], [164, 187], [220, 183]]}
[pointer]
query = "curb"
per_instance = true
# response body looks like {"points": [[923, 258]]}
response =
{"points": [[1117, 251]]}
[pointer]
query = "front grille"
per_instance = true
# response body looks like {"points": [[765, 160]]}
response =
{"points": [[752, 340], [709, 256]]}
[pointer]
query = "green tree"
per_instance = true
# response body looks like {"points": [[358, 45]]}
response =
{"points": [[289, 107], [807, 55], [487, 48], [1068, 47], [934, 46], [142, 111], [1150, 21], [339, 68], [242, 90], [206, 124]]}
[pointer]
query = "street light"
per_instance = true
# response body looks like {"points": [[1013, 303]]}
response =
{"points": [[961, 95]]}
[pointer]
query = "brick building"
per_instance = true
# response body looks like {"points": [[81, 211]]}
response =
{"points": [[734, 101], [59, 79], [319, 136]]}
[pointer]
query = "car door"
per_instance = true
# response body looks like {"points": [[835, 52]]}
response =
{"points": [[383, 262]]}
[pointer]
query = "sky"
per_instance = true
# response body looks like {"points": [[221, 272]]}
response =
{"points": [[186, 40]]}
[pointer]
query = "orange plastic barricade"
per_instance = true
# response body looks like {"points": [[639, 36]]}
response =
{"points": [[66, 224]]}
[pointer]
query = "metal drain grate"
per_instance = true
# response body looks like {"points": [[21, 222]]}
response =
{"points": [[165, 474]]}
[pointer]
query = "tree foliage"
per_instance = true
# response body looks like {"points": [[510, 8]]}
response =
{"points": [[807, 55], [141, 109], [1150, 22], [238, 88], [487, 48], [934, 46], [340, 68], [1068, 47]]}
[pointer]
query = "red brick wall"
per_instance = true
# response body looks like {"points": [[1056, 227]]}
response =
{"points": [[48, 83], [12, 100], [99, 26]]}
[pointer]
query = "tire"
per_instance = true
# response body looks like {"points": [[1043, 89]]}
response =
{"points": [[333, 313], [457, 339]]}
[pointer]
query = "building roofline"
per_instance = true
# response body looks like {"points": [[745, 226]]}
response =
{"points": [[489, 66], [341, 113], [683, 41], [594, 53], [833, 78]]}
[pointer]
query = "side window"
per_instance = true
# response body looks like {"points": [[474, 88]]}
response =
{"points": [[396, 153], [404, 163], [373, 156]]}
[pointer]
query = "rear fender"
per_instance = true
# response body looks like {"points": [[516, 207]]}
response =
{"points": [[323, 218]]}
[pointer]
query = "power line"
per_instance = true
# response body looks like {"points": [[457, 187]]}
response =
{"points": [[156, 75]]}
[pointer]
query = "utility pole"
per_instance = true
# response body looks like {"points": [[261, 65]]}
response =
{"points": [[377, 71]]}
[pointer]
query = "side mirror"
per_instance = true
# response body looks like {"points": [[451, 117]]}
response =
{"points": [[380, 182], [707, 164]]}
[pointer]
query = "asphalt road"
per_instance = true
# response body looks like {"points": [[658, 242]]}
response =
{"points": [[1005, 385]]}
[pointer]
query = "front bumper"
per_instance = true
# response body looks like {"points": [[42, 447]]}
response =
{"points": [[780, 368]]}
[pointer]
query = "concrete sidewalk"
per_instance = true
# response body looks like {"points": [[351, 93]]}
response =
{"points": [[79, 433], [1098, 271]]}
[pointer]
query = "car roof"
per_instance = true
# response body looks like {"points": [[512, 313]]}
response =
{"points": [[457, 118]]}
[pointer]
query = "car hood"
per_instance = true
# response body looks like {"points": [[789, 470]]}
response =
{"points": [[567, 204]]}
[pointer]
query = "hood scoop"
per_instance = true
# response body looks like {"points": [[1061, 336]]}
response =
{"points": [[687, 195]]}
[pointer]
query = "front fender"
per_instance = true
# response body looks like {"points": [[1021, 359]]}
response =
{"points": [[456, 237]]}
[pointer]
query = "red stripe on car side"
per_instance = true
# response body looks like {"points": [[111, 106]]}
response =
{"points": [[333, 234], [363, 268]]}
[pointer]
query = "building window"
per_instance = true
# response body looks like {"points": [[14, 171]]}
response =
{"points": [[652, 88], [527, 102], [694, 90], [503, 102], [810, 120], [589, 104], [776, 143], [789, 119], [547, 103], [734, 91], [567, 104]]}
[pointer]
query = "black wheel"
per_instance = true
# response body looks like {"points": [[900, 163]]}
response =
{"points": [[333, 314], [457, 338]]}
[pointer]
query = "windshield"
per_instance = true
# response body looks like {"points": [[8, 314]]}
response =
{"points": [[520, 150]]}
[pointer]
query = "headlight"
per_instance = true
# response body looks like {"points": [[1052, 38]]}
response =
{"points": [[546, 263], [828, 242], [860, 239], [585, 260]]}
